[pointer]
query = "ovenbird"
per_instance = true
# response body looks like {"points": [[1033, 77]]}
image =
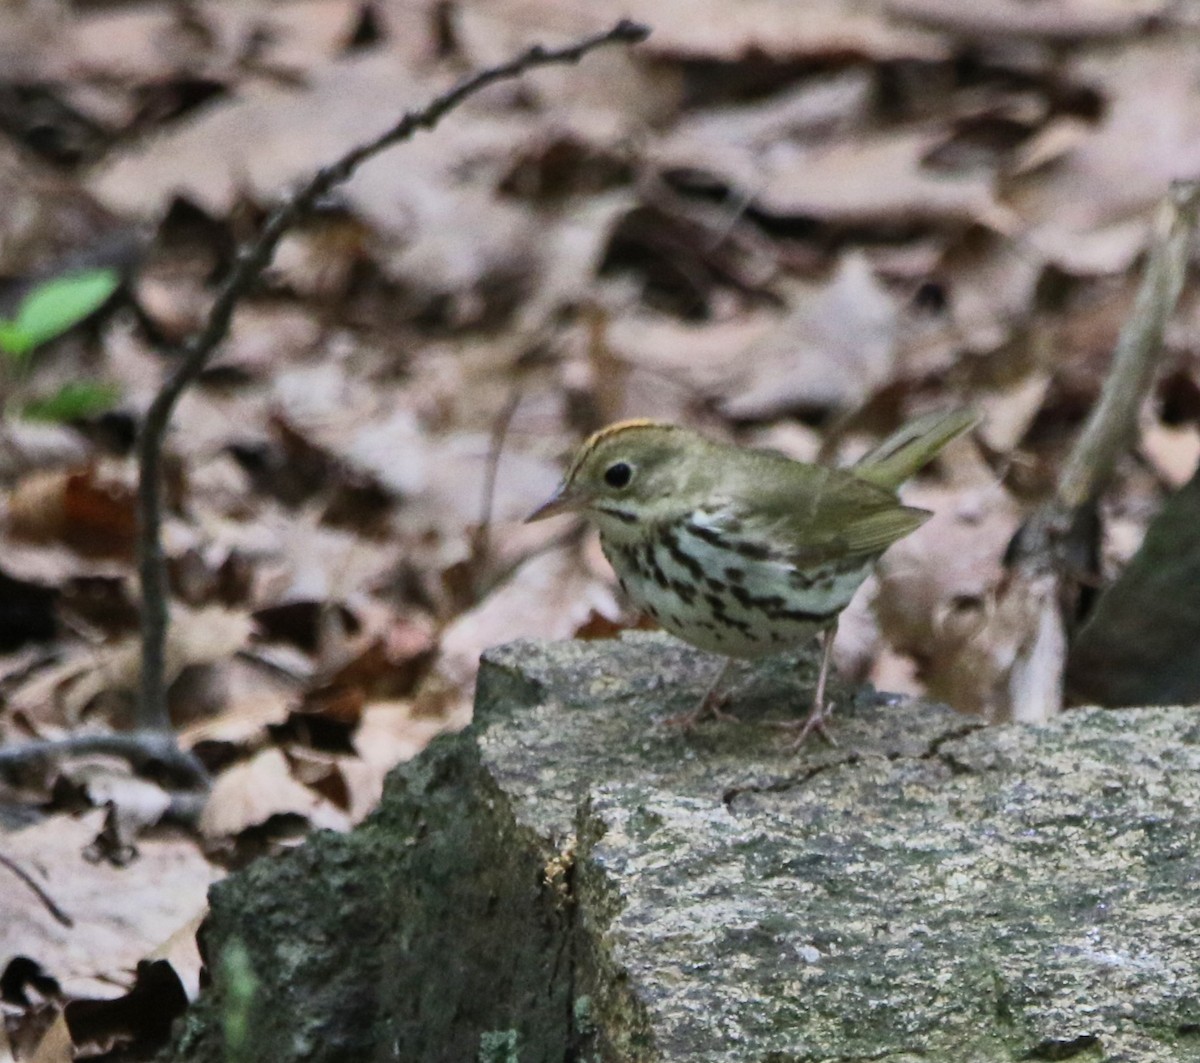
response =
{"points": [[744, 552]]}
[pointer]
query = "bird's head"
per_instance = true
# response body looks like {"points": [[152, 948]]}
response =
{"points": [[626, 475]]}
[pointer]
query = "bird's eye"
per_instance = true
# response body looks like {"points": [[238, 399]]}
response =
{"points": [[618, 475]]}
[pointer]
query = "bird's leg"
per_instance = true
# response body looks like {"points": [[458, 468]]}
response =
{"points": [[821, 711], [709, 705]]}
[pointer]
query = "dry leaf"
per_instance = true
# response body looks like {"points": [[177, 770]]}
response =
{"points": [[56, 1045], [936, 587], [882, 181], [549, 596], [835, 346], [90, 514], [120, 914], [251, 792], [1174, 451]]}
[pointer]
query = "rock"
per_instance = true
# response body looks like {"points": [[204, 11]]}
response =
{"points": [[570, 881]]}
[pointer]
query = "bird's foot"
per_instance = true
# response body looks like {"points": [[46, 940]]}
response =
{"points": [[710, 705], [817, 722]]}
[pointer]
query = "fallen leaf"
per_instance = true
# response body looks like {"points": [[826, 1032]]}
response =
{"points": [[549, 596], [120, 914], [836, 344], [936, 587], [1174, 451], [89, 513], [56, 1045], [252, 791], [880, 181], [1050, 20]]}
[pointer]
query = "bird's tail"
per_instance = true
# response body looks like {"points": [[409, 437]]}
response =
{"points": [[905, 451]]}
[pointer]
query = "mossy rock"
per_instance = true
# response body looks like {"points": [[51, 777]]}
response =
{"points": [[569, 880]]}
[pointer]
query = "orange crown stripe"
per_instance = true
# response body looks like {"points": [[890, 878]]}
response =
{"points": [[616, 428]]}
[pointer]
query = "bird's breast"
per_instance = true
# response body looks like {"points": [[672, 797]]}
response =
{"points": [[741, 602]]}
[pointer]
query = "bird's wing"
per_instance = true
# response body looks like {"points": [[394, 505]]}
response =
{"points": [[812, 515]]}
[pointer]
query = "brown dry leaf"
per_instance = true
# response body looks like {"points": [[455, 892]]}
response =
{"points": [[318, 259], [84, 510], [880, 181], [29, 35], [264, 337], [29, 446], [295, 39], [150, 44], [858, 641], [256, 698], [834, 347], [182, 951], [711, 140], [1056, 139], [706, 357], [56, 1045], [389, 733], [442, 229], [1009, 665], [141, 43], [896, 673], [697, 29], [1047, 20], [990, 284], [936, 587], [1090, 210], [63, 692], [120, 914], [316, 563], [46, 216], [251, 792], [136, 803], [1009, 412], [549, 596], [1174, 451], [386, 666]]}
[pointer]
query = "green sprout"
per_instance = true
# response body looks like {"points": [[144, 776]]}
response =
{"points": [[51, 309], [54, 307]]}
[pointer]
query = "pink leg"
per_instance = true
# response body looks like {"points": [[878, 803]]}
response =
{"points": [[819, 716], [709, 705]]}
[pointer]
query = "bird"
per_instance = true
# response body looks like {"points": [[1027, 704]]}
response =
{"points": [[744, 552]]}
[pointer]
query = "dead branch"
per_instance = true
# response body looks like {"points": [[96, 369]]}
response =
{"points": [[140, 749], [1030, 626], [1112, 426], [251, 260], [48, 902]]}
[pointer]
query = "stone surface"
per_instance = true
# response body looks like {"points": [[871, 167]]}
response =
{"points": [[571, 881]]}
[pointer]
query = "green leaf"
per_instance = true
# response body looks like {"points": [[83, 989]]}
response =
{"points": [[72, 402], [57, 305], [11, 341]]}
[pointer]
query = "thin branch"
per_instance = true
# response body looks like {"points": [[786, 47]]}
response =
{"points": [[1113, 423], [481, 539], [249, 264], [1034, 615], [139, 748], [51, 905]]}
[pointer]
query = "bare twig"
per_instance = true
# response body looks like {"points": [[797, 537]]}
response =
{"points": [[51, 906], [1113, 423], [481, 540], [1031, 622], [251, 260], [138, 748]]}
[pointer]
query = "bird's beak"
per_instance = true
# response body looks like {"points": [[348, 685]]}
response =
{"points": [[564, 500]]}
